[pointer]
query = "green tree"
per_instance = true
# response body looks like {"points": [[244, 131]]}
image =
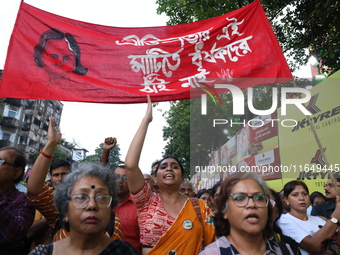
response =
{"points": [[191, 136], [298, 25], [58, 155], [177, 131], [114, 158]]}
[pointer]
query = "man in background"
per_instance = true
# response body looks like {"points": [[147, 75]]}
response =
{"points": [[16, 211], [327, 208], [126, 210], [187, 189]]}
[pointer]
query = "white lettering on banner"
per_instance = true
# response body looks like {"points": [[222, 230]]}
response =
{"points": [[153, 40], [152, 84], [157, 62], [134, 40], [197, 55], [195, 80], [192, 39], [229, 49], [234, 28], [149, 62]]}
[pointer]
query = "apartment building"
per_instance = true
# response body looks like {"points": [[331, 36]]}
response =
{"points": [[24, 123]]}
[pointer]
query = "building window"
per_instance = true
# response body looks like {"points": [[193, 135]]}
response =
{"points": [[45, 127], [11, 114], [33, 144], [22, 140], [27, 118], [49, 110], [6, 136], [37, 122]]}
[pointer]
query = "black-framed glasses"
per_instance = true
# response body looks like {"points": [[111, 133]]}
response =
{"points": [[80, 201], [4, 162], [242, 199]]}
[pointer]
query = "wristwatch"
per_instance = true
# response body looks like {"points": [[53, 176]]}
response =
{"points": [[335, 220]]}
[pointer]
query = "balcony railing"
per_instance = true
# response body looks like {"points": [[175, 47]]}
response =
{"points": [[22, 147], [26, 126], [9, 122], [4, 143], [29, 111], [13, 101], [30, 105]]}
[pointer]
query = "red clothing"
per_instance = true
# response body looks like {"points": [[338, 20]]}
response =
{"points": [[167, 235], [127, 212], [154, 221]]}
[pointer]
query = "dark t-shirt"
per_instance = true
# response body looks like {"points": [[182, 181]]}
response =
{"points": [[323, 209]]}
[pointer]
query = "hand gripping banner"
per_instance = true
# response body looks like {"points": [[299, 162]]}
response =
{"points": [[57, 58]]}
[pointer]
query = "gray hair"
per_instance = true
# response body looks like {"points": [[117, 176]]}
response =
{"points": [[63, 190]]}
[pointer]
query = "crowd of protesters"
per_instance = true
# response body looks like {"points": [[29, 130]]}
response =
{"points": [[89, 209]]}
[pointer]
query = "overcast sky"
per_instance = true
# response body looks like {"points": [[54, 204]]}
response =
{"points": [[87, 122]]}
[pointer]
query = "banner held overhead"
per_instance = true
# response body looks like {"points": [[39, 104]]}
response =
{"points": [[57, 58]]}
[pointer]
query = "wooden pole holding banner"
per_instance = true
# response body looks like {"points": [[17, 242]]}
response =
{"points": [[323, 154]]}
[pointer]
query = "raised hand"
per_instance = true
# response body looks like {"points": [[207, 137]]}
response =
{"points": [[148, 114], [53, 135], [109, 143]]}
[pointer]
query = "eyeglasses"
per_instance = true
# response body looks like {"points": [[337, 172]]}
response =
{"points": [[121, 176], [80, 201], [242, 199], [330, 185], [4, 162]]}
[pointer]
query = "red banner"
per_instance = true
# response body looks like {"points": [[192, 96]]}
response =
{"points": [[56, 58]]}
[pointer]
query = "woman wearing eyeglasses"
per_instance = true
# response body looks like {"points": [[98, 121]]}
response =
{"points": [[303, 228], [243, 218], [84, 201], [169, 222]]}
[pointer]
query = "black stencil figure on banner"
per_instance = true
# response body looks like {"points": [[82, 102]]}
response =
{"points": [[59, 54]]}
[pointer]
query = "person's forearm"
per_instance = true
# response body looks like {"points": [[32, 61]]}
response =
{"points": [[134, 175], [39, 171], [40, 168], [105, 157], [314, 243], [135, 149]]}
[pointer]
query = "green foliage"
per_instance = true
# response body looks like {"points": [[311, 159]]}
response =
{"points": [[177, 131], [58, 155], [114, 158], [298, 25], [191, 136], [315, 25]]}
